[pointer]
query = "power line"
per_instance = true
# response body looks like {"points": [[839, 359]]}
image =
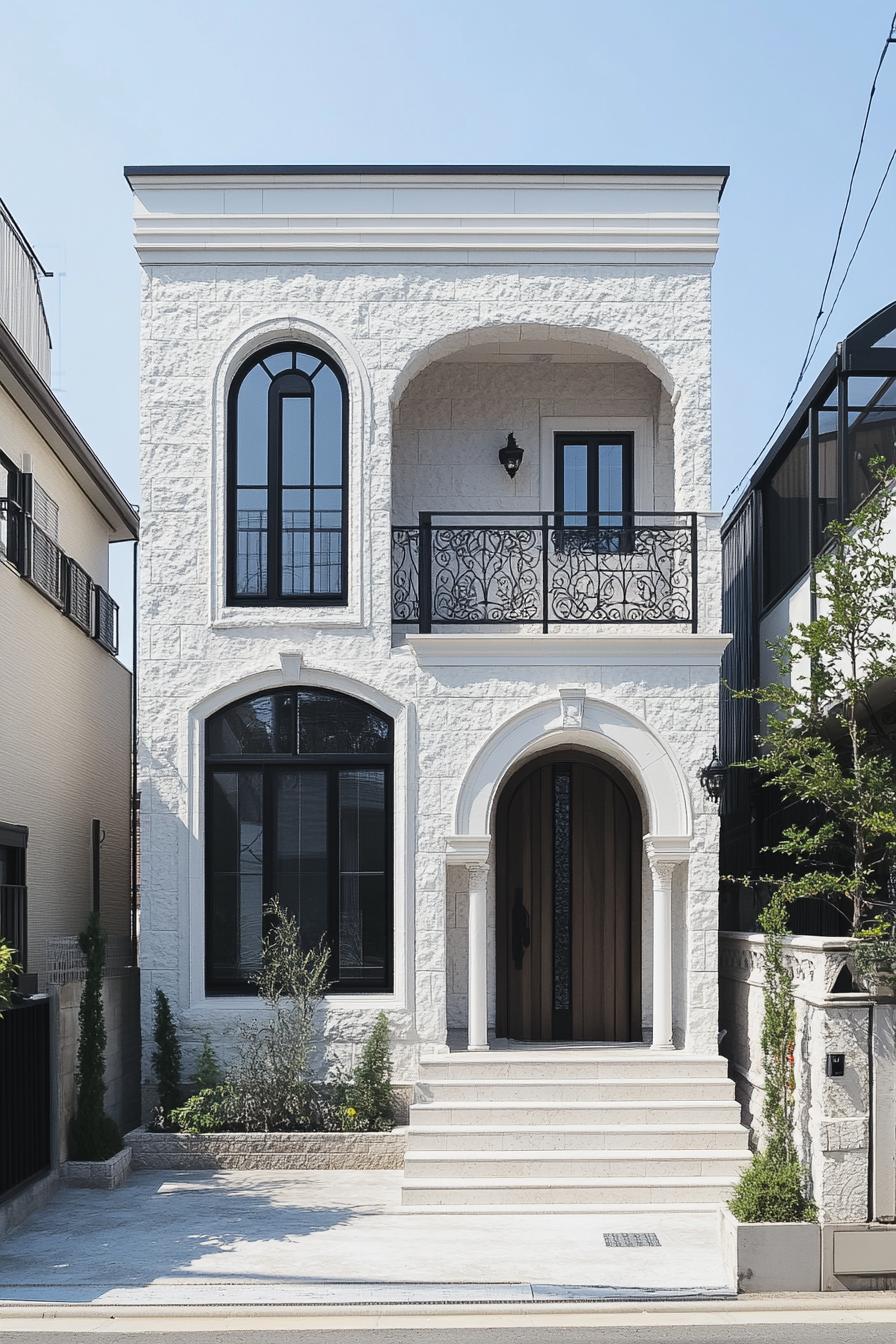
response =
{"points": [[815, 335]]}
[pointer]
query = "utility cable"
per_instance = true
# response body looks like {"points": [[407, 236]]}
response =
{"points": [[815, 335]]}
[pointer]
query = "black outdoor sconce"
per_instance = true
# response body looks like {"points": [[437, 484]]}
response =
{"points": [[712, 777], [510, 456]]}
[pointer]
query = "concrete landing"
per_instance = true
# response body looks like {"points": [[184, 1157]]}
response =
{"points": [[329, 1237]]}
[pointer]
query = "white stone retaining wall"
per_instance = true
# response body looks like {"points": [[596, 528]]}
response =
{"points": [[385, 323], [265, 1152], [834, 1116]]}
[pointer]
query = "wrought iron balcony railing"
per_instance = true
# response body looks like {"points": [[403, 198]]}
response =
{"points": [[545, 570], [62, 580]]}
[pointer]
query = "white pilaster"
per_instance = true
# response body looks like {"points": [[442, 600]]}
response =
{"points": [[477, 958], [664, 854]]}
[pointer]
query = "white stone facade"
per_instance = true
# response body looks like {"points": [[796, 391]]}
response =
{"points": [[448, 337]]}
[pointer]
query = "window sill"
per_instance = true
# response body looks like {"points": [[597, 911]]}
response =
{"points": [[246, 1006]]}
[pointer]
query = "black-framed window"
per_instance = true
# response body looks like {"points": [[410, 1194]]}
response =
{"points": [[10, 514], [287, 489], [593, 478], [299, 805], [785, 520]]}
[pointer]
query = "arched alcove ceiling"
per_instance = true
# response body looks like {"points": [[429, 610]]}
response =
{"points": [[473, 339]]}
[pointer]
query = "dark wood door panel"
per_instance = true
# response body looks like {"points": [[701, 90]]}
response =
{"points": [[569, 837]]}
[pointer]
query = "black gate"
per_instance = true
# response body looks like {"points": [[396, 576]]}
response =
{"points": [[24, 1093]]}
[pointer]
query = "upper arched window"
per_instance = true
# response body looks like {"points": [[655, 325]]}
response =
{"points": [[286, 479]]}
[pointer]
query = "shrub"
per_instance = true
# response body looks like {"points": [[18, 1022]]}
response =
{"points": [[166, 1057], [770, 1190], [9, 969], [368, 1102], [213, 1110], [272, 1077], [93, 1134], [208, 1070]]}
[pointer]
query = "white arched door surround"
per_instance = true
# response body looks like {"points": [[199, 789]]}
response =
{"points": [[574, 720]]}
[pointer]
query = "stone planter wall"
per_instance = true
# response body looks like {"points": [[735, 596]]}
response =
{"points": [[107, 1175], [835, 1116], [266, 1152]]}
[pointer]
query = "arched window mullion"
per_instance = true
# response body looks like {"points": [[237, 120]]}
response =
{"points": [[262, 552], [305, 774]]}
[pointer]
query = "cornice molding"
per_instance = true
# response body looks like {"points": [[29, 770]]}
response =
{"points": [[593, 651]]}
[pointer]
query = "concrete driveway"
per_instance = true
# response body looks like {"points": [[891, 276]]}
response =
{"points": [[190, 1238]]}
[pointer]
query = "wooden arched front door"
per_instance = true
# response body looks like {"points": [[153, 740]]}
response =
{"points": [[569, 838]]}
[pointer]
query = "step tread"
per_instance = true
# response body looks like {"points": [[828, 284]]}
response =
{"points": [[572, 1055], [576, 1155], [614, 1103], [557, 1183], [575, 1082], [685, 1127], [547, 1210]]}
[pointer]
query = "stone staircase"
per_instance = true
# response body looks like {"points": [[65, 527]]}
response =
{"points": [[576, 1128]]}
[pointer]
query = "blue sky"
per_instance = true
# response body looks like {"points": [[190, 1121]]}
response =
{"points": [[775, 90]]}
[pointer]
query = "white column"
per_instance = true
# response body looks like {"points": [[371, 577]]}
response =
{"points": [[477, 958], [662, 953]]}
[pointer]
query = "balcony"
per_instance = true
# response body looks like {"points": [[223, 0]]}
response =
{"points": [[545, 570], [43, 564]]}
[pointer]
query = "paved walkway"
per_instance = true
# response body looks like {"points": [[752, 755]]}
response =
{"points": [[190, 1238]]}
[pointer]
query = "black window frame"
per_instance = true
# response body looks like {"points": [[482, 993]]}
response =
{"points": [[13, 551], [331, 765], [274, 596], [614, 538]]}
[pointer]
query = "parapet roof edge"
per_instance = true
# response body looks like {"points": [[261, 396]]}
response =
{"points": [[427, 170]]}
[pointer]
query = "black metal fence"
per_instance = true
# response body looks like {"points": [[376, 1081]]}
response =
{"points": [[24, 1093], [546, 569]]}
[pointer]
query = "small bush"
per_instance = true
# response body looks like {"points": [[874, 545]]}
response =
{"points": [[271, 1078], [770, 1190], [368, 1101], [93, 1135], [166, 1057], [208, 1070], [9, 969], [214, 1110]]}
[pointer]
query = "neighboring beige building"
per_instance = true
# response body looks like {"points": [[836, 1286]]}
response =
{"points": [[65, 699]]}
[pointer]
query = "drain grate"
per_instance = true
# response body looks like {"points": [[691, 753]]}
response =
{"points": [[631, 1239]]}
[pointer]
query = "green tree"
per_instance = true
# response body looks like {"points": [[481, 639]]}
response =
{"points": [[824, 743], [166, 1057], [208, 1070], [93, 1134], [369, 1103]]}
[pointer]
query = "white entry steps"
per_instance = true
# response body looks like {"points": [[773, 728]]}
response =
{"points": [[573, 1129]]}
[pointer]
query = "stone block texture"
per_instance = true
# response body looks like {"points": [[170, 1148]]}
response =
{"points": [[442, 361], [265, 1152]]}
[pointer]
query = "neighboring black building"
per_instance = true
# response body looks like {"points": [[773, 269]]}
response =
{"points": [[815, 471]]}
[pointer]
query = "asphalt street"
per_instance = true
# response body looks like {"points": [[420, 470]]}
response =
{"points": [[733, 1332]]}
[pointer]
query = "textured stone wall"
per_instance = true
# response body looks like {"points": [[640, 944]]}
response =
{"points": [[265, 1152], [831, 1114], [385, 324]]}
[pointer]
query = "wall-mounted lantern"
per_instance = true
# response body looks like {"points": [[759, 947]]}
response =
{"points": [[510, 456], [712, 777]]}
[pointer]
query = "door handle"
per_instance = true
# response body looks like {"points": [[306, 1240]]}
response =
{"points": [[520, 934]]}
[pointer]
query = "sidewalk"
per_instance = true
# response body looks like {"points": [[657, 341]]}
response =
{"points": [[195, 1239]]}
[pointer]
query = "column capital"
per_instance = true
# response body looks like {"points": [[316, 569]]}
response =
{"points": [[666, 852], [477, 867], [467, 850]]}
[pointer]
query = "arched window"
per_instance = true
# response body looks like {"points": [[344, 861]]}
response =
{"points": [[286, 479], [299, 805]]}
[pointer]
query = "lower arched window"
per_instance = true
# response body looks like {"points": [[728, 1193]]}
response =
{"points": [[299, 805]]}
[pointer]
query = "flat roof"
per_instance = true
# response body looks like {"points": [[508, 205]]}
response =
{"points": [[427, 170]]}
